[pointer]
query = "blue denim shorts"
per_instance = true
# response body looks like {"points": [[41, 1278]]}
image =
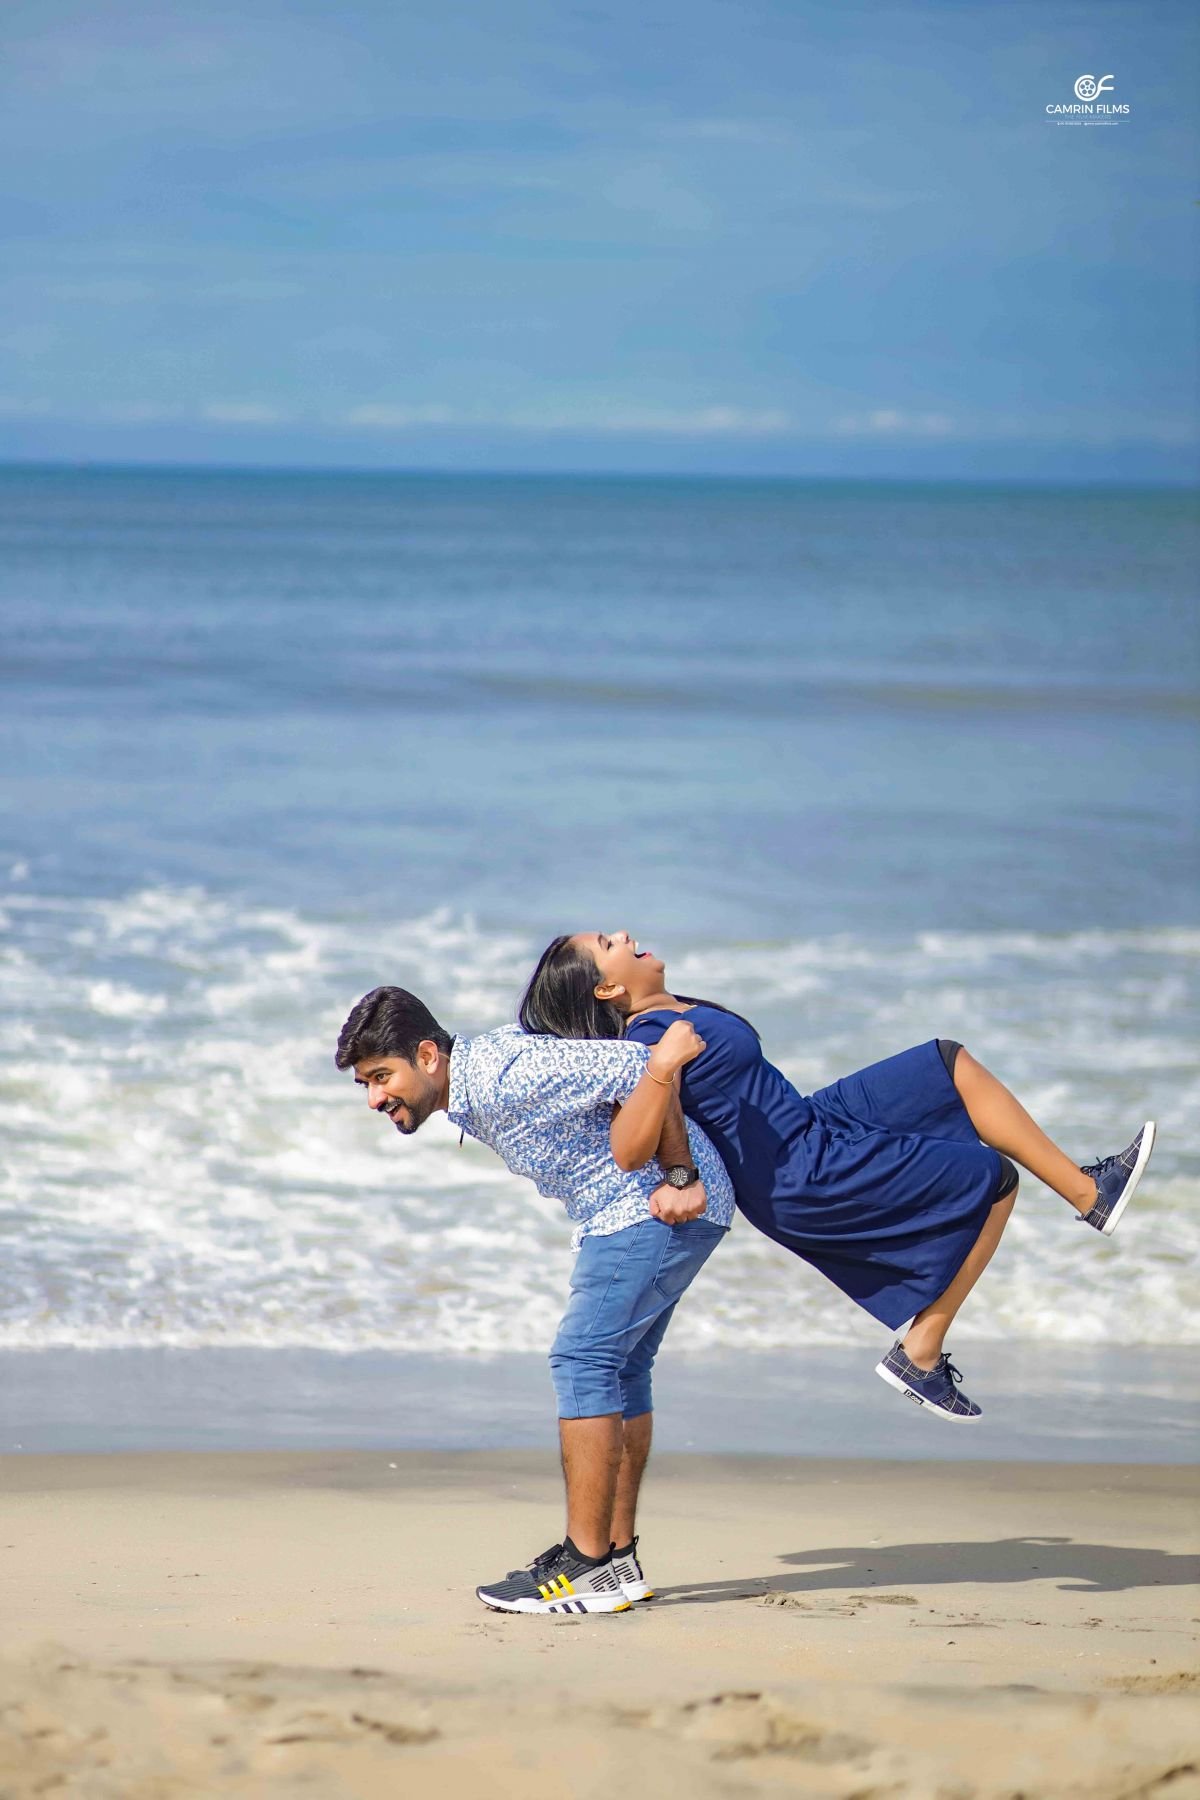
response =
{"points": [[624, 1289]]}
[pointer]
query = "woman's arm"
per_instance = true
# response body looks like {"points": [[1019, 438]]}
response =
{"points": [[637, 1126]]}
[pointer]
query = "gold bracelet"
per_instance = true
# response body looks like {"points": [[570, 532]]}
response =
{"points": [[659, 1079]]}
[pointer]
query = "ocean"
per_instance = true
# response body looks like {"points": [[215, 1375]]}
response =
{"points": [[870, 763]]}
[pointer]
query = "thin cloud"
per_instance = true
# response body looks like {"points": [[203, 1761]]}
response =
{"points": [[702, 421], [143, 412], [242, 412], [727, 131], [249, 290], [399, 418], [170, 287], [696, 422], [658, 192], [889, 422], [116, 290]]}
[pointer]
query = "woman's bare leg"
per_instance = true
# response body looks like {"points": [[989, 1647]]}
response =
{"points": [[1002, 1122], [927, 1333]]}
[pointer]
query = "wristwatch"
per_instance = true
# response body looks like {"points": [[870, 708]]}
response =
{"points": [[680, 1175]]}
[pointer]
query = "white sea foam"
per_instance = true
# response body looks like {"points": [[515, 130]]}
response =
{"points": [[183, 1166]]}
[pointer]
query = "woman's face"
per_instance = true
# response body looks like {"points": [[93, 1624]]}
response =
{"points": [[621, 964]]}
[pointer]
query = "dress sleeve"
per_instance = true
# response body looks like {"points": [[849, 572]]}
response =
{"points": [[565, 1076], [644, 1031], [705, 1075]]}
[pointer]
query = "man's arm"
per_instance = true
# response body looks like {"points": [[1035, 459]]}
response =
{"points": [[673, 1150], [671, 1204], [637, 1125]]}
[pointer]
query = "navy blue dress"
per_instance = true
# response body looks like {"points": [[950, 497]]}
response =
{"points": [[879, 1181]]}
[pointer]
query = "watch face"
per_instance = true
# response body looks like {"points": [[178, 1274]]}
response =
{"points": [[679, 1177]]}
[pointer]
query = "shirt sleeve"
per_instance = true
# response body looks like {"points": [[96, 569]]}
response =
{"points": [[559, 1077]]}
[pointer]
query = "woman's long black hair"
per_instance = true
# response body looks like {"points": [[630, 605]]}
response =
{"points": [[560, 1000]]}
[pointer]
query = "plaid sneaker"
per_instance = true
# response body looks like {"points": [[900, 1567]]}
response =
{"points": [[1116, 1177], [935, 1388], [560, 1580], [629, 1573]]}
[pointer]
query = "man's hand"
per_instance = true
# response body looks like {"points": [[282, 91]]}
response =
{"points": [[675, 1205]]}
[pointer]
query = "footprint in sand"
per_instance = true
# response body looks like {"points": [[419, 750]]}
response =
{"points": [[1179, 1681], [833, 1609], [738, 1725], [823, 1609], [883, 1600]]}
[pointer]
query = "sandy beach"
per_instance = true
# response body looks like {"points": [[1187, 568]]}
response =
{"points": [[251, 1624]]}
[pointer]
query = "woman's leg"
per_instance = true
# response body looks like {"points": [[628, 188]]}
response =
{"points": [[927, 1333], [1002, 1122]]}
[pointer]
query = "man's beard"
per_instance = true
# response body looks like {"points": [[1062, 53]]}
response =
{"points": [[413, 1115]]}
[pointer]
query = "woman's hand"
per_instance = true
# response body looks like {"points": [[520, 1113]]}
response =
{"points": [[680, 1043]]}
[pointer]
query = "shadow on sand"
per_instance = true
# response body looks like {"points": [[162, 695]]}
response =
{"points": [[1076, 1567]]}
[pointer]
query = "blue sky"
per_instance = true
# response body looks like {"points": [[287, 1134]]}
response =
{"points": [[711, 235]]}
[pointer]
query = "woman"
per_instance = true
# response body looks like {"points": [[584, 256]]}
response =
{"points": [[895, 1182]]}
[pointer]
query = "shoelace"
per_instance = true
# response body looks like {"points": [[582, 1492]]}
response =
{"points": [[1105, 1163], [1096, 1170], [540, 1562], [943, 1366]]}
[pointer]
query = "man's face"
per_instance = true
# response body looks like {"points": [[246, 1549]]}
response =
{"points": [[406, 1092]]}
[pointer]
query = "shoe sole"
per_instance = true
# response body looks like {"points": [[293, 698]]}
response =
{"points": [[586, 1603], [636, 1591], [939, 1412], [1149, 1133]]}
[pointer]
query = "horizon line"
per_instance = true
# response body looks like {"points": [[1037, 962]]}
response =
{"points": [[97, 465]]}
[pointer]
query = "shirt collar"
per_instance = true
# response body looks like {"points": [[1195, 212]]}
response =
{"points": [[458, 1110]]}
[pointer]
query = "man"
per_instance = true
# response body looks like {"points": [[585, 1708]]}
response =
{"points": [[569, 1114]]}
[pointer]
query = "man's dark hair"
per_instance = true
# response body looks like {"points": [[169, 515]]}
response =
{"points": [[389, 1021]]}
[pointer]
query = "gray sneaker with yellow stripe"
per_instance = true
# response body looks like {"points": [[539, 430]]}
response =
{"points": [[560, 1580], [630, 1573]]}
